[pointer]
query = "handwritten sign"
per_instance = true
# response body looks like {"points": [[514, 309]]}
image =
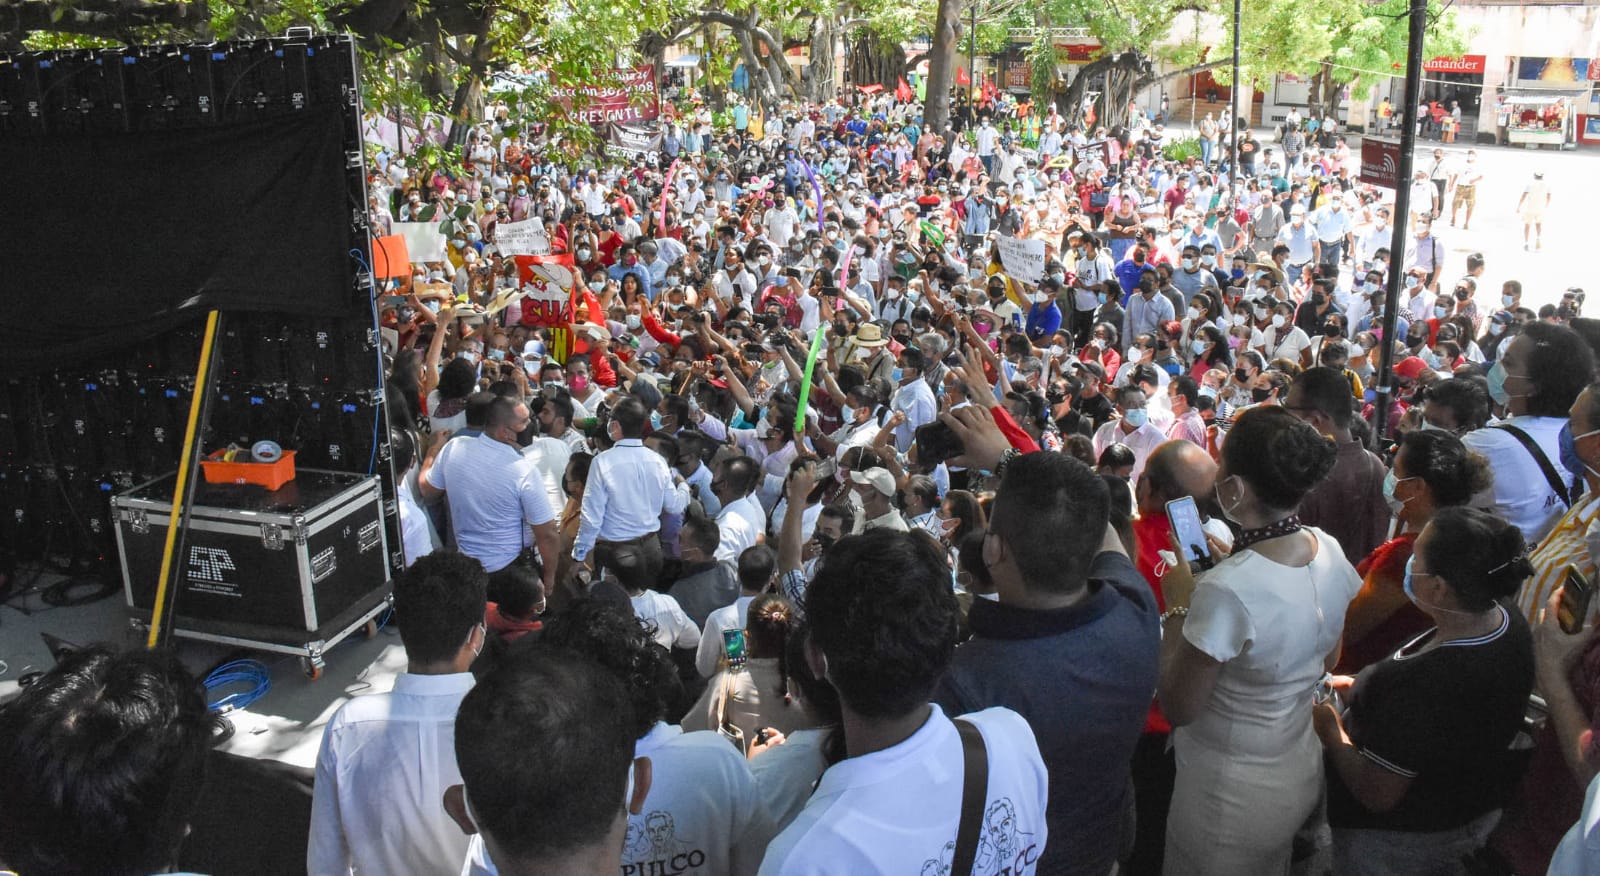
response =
{"points": [[1023, 258], [521, 238]]}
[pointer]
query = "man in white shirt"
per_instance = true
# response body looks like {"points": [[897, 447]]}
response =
{"points": [[416, 531], [387, 758], [509, 731], [629, 488], [497, 496], [742, 522], [894, 804], [757, 570], [1092, 268], [914, 398], [1133, 429]]}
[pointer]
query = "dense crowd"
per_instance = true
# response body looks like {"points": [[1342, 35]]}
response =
{"points": [[806, 528]]}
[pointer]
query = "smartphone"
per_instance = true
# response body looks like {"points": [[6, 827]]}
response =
{"points": [[937, 442], [1576, 592], [1185, 517], [733, 645]]}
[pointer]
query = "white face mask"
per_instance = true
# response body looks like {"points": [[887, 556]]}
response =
{"points": [[1278, 320]]}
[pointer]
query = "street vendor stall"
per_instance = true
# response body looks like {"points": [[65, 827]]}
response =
{"points": [[1535, 118]]}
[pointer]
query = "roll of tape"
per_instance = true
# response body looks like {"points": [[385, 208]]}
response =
{"points": [[266, 451]]}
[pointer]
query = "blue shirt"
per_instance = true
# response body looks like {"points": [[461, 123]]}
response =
{"points": [[1081, 677], [1128, 275], [617, 271], [1043, 320]]}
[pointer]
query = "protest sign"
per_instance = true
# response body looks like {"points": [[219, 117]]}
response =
{"points": [[424, 240], [1023, 258], [521, 238]]}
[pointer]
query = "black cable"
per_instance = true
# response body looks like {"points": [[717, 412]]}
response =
{"points": [[61, 594]]}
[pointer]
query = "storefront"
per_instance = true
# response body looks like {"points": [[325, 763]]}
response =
{"points": [[1534, 118], [1453, 82]]}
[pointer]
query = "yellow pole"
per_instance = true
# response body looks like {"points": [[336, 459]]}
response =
{"points": [[201, 377]]}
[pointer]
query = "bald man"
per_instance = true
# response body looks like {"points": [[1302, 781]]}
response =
{"points": [[1174, 470]]}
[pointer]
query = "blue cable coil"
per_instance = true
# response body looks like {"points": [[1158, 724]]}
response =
{"points": [[238, 672]]}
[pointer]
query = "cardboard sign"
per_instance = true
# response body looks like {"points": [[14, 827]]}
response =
{"points": [[424, 240], [521, 238], [390, 257], [1023, 258]]}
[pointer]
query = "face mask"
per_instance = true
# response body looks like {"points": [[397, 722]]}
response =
{"points": [[1059, 277], [1440, 311], [1497, 384], [1507, 301], [1496, 328], [1389, 484], [1240, 319], [1198, 345], [1188, 264], [578, 383], [1241, 375], [896, 374], [1261, 394], [848, 414], [473, 236], [1101, 297], [1040, 298], [1193, 313], [1209, 261], [1411, 281], [1430, 358], [764, 260], [634, 321], [1208, 392], [497, 355], [460, 242], [1136, 417], [1223, 507], [655, 420], [1278, 320]]}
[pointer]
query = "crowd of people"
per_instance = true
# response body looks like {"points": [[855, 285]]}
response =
{"points": [[806, 534]]}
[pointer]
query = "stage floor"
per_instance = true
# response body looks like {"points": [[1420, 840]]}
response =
{"points": [[284, 725]]}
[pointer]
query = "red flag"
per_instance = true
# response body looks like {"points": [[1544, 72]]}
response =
{"points": [[961, 76], [902, 92]]}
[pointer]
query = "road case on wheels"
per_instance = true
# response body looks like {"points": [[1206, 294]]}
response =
{"points": [[293, 570]]}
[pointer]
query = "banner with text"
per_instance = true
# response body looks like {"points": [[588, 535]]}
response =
{"points": [[1023, 258], [634, 138], [629, 95], [1380, 162], [521, 238]]}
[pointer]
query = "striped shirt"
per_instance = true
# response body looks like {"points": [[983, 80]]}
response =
{"points": [[1567, 542]]}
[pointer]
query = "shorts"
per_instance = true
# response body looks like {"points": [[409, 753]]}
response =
{"points": [[1466, 196]]}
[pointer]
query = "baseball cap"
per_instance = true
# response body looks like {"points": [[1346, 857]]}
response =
{"points": [[879, 478]]}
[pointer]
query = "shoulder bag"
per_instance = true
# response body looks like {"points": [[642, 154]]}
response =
{"points": [[974, 795], [1539, 457]]}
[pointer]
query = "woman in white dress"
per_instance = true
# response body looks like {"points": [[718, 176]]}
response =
{"points": [[1243, 648]]}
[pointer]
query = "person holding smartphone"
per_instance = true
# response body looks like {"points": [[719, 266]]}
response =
{"points": [[1420, 760]]}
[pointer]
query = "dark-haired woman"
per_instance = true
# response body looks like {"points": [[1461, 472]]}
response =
{"points": [[1418, 762], [755, 696], [1432, 470], [1243, 648], [786, 766]]}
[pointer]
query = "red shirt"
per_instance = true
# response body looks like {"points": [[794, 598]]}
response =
{"points": [[1153, 532]]}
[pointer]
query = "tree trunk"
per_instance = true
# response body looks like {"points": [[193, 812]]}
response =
{"points": [[1073, 97], [824, 64], [761, 92], [1315, 97], [874, 60], [941, 66]]}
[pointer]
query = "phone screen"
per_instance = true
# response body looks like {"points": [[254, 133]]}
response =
{"points": [[1573, 609], [1185, 517], [733, 643]]}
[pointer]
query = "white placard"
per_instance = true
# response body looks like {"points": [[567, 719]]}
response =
{"points": [[1023, 258], [424, 240], [521, 238]]}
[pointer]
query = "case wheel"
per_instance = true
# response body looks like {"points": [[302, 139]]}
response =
{"points": [[312, 667], [371, 628]]}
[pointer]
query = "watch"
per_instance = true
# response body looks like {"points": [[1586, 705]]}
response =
{"points": [[1006, 457]]}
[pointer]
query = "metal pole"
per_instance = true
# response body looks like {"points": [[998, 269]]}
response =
{"points": [[1402, 214], [1233, 117], [163, 615]]}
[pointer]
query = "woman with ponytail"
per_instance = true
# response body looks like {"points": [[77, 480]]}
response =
{"points": [[1419, 757], [757, 694]]}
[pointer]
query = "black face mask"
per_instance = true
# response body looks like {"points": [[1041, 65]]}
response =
{"points": [[1241, 375], [824, 541], [1261, 394]]}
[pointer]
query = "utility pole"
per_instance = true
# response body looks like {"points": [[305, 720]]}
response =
{"points": [[1402, 214], [1234, 180]]}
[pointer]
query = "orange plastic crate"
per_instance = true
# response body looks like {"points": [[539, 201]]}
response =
{"points": [[271, 475]]}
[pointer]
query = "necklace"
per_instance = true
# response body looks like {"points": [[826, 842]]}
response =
{"points": [[1282, 527]]}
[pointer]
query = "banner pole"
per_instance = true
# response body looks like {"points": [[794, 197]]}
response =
{"points": [[183, 491]]}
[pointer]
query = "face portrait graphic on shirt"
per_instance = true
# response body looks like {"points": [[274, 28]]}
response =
{"points": [[652, 847], [1002, 848]]}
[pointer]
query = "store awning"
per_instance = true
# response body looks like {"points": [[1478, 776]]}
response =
{"points": [[684, 61], [1543, 96]]}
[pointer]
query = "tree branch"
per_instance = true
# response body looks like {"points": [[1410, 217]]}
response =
{"points": [[100, 18]]}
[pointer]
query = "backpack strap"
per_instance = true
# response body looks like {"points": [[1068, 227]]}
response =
{"points": [[974, 794], [1538, 455]]}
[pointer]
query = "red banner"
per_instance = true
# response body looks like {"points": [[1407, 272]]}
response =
{"points": [[625, 96], [1464, 64], [1380, 163], [549, 281]]}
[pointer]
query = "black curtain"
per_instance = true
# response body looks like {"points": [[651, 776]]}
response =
{"points": [[109, 239]]}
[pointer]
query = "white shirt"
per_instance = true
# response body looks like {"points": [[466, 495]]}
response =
{"points": [[416, 532], [673, 628], [916, 400], [1521, 495], [550, 457], [897, 810], [1579, 851], [728, 617], [495, 495], [785, 774], [385, 762], [1142, 441], [703, 805], [629, 487], [1420, 307], [1285, 342], [741, 523]]}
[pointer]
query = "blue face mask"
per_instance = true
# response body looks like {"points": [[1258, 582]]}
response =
{"points": [[896, 375], [1410, 594], [1497, 384], [1136, 417], [1569, 450], [655, 420]]}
